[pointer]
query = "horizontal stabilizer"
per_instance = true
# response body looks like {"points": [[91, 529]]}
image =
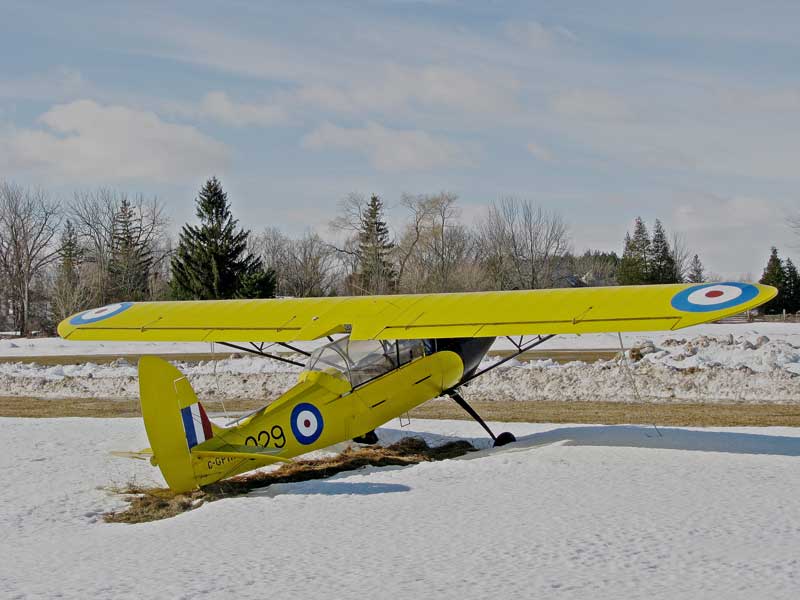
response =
{"points": [[145, 454], [241, 452]]}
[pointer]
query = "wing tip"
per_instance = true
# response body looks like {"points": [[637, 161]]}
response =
{"points": [[65, 328]]}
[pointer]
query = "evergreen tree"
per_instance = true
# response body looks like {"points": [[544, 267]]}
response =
{"points": [[71, 256], [660, 262], [633, 267], [131, 258], [212, 261], [375, 274], [696, 272], [69, 293], [791, 287], [774, 275]]}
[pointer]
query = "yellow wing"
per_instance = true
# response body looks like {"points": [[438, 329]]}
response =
{"points": [[474, 314]]}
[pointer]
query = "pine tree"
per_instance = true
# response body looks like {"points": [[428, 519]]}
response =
{"points": [[791, 287], [71, 255], [375, 274], [774, 275], [69, 293], [660, 263], [696, 271], [633, 267], [212, 261], [131, 258]]}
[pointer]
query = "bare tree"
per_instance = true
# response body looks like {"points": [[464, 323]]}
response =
{"points": [[522, 245], [67, 285], [422, 212], [311, 268], [96, 214], [303, 267], [596, 268], [681, 255], [347, 224], [436, 252], [28, 223]]}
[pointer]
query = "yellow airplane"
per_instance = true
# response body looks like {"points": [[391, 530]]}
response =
{"points": [[392, 354]]}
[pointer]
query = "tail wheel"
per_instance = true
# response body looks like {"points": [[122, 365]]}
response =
{"points": [[504, 438]]}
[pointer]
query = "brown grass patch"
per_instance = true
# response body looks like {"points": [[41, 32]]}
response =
{"points": [[685, 414], [619, 413], [152, 504], [20, 406]]}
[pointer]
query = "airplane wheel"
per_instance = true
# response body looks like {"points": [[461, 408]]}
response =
{"points": [[368, 438], [504, 438]]}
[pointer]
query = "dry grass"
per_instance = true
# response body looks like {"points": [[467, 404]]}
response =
{"points": [[151, 504], [608, 413], [15, 406], [615, 413]]}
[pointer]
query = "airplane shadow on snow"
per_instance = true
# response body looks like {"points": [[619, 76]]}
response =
{"points": [[633, 436], [325, 487], [617, 436]]}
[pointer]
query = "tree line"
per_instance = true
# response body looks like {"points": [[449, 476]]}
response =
{"points": [[105, 246], [783, 275]]}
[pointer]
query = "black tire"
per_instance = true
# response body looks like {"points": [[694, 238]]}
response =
{"points": [[368, 438], [504, 438]]}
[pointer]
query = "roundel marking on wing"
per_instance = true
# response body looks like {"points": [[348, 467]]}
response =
{"points": [[713, 296], [100, 314], [307, 423]]}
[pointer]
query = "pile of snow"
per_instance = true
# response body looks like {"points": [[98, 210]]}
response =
{"points": [[569, 511], [755, 353], [692, 366], [231, 378], [748, 368]]}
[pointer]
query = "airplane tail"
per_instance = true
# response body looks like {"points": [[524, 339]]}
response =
{"points": [[174, 419]]}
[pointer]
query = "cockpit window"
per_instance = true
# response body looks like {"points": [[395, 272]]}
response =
{"points": [[363, 360]]}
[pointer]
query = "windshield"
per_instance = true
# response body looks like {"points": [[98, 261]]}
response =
{"points": [[362, 360]]}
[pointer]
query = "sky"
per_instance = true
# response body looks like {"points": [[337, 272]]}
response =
{"points": [[602, 111]]}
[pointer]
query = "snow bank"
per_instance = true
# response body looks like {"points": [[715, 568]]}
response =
{"points": [[568, 512], [748, 367]]}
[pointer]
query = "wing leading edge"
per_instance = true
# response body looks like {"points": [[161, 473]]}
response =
{"points": [[473, 314]]}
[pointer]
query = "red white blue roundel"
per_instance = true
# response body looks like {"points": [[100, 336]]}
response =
{"points": [[98, 314], [306, 423], [713, 296]]}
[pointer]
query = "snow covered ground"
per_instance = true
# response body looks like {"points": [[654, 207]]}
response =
{"points": [[568, 512], [757, 363]]}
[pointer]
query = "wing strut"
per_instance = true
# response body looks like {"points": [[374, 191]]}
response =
{"points": [[521, 348], [258, 350]]}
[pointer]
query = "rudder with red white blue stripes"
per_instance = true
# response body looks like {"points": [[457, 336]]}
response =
{"points": [[196, 424]]}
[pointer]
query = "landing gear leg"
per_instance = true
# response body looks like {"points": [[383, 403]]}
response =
{"points": [[499, 440]]}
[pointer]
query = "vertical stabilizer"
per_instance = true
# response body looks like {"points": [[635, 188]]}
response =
{"points": [[174, 420]]}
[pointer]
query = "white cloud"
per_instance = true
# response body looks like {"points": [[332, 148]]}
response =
{"points": [[536, 36], [366, 80], [591, 104], [733, 234], [86, 141], [539, 151], [57, 84], [391, 149], [405, 88], [219, 107]]}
